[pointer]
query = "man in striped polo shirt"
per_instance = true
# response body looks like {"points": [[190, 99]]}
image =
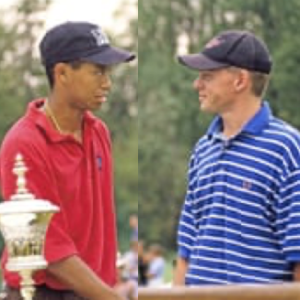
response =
{"points": [[240, 222]]}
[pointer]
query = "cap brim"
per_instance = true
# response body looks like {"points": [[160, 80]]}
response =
{"points": [[200, 62], [110, 56]]}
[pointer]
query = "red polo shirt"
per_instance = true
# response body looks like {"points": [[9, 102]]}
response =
{"points": [[77, 178]]}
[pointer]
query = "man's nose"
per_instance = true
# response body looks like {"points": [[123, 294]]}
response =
{"points": [[107, 83], [196, 84]]}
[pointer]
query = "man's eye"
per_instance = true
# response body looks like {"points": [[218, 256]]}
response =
{"points": [[99, 72], [102, 72], [207, 77]]}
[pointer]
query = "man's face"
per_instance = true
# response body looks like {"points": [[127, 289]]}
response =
{"points": [[216, 90], [87, 85]]}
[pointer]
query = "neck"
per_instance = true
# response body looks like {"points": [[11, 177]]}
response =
{"points": [[65, 119], [236, 118]]}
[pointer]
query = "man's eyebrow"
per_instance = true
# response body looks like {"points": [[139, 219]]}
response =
{"points": [[103, 67], [206, 72]]}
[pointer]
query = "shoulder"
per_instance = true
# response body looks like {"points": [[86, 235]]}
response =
{"points": [[98, 125], [201, 144], [24, 137], [284, 131], [285, 139], [199, 149], [101, 126], [101, 134]]}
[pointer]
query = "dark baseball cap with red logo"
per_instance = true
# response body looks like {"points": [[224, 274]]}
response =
{"points": [[231, 48], [80, 41]]}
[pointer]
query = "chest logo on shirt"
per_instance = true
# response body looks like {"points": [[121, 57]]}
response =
{"points": [[247, 185], [99, 162]]}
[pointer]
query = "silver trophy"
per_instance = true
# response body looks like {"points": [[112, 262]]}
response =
{"points": [[23, 222]]}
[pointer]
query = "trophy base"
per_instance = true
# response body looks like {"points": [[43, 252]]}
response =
{"points": [[29, 263]]}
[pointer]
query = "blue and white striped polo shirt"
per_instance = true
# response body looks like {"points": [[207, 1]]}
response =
{"points": [[240, 222]]}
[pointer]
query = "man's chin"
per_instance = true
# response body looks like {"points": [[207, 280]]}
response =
{"points": [[206, 109], [95, 106]]}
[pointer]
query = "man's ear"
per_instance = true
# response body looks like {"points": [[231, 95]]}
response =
{"points": [[60, 73], [242, 80]]}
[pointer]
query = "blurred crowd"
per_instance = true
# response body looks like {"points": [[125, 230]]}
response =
{"points": [[139, 266], [151, 265]]}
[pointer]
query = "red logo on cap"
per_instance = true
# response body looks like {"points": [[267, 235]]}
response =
{"points": [[213, 43], [247, 185]]}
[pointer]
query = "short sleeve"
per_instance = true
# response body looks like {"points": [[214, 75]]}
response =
{"points": [[187, 231], [288, 217]]}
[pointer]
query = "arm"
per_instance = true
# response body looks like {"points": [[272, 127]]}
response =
{"points": [[297, 272], [288, 220], [187, 230], [75, 274], [180, 271]]}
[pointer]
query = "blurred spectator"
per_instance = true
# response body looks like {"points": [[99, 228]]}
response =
{"points": [[142, 265], [134, 225], [131, 259], [156, 268], [125, 287]]}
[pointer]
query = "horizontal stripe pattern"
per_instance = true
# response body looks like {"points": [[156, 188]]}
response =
{"points": [[240, 222]]}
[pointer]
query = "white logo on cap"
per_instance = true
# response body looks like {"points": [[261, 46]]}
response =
{"points": [[100, 37]]}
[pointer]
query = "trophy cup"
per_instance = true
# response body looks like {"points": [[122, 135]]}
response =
{"points": [[23, 222]]}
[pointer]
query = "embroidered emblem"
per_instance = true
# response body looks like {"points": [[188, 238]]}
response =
{"points": [[213, 43], [100, 36], [99, 162], [247, 185]]}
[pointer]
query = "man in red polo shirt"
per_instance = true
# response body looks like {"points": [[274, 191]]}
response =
{"points": [[68, 154]]}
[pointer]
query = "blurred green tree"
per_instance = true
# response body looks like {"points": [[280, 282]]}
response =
{"points": [[19, 69], [121, 115]]}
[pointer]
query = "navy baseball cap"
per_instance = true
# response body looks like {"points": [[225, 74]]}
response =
{"points": [[231, 48], [83, 41]]}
